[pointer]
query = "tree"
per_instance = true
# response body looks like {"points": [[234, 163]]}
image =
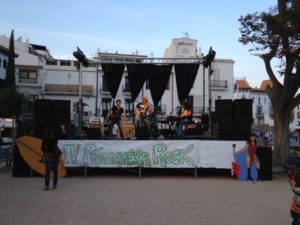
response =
{"points": [[11, 102], [275, 36], [10, 80]]}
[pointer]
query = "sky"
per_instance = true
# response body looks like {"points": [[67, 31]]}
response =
{"points": [[126, 26]]}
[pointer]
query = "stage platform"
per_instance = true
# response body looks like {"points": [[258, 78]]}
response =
{"points": [[145, 154]]}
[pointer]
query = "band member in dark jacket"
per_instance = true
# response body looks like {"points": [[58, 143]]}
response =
{"points": [[115, 115]]}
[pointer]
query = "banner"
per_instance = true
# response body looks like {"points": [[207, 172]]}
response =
{"points": [[155, 154]]}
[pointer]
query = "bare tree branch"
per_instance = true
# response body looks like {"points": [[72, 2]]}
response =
{"points": [[267, 60]]}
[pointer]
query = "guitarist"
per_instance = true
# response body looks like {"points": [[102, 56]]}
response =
{"points": [[142, 110], [115, 117]]}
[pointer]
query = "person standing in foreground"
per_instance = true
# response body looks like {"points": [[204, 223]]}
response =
{"points": [[251, 147], [51, 157], [294, 180]]}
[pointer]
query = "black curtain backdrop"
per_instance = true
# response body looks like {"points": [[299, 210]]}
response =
{"points": [[185, 78], [137, 74], [113, 74], [158, 76]]}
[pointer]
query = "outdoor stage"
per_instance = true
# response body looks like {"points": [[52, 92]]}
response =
{"points": [[143, 155]]}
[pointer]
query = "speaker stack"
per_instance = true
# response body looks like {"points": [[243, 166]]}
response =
{"points": [[50, 113], [233, 119], [20, 167], [128, 131], [93, 134], [265, 157]]}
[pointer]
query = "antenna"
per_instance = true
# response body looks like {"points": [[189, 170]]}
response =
{"points": [[186, 33]]}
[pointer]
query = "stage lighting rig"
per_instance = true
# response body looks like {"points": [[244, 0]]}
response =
{"points": [[80, 56], [209, 58]]}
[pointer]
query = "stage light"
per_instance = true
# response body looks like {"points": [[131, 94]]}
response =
{"points": [[80, 56], [209, 58]]}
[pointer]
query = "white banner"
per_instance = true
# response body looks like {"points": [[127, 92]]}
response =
{"points": [[155, 154]]}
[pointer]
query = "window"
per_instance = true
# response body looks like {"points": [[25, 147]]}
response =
{"points": [[216, 74], [4, 63], [105, 105], [127, 87], [65, 63], [0, 63], [298, 115], [28, 74], [258, 100], [51, 62], [265, 100], [129, 106], [104, 84]]}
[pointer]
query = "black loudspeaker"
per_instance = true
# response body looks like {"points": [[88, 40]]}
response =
{"points": [[43, 111], [93, 133], [205, 122], [61, 111], [40, 128], [142, 133], [233, 131], [213, 117], [224, 111], [20, 167], [243, 111], [264, 155]]}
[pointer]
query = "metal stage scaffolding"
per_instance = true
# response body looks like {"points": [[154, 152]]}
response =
{"points": [[145, 60]]}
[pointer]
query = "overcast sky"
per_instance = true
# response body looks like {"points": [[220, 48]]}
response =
{"points": [[129, 25]]}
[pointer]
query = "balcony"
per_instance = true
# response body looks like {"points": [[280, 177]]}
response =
{"points": [[28, 81], [68, 89], [219, 84], [260, 115]]}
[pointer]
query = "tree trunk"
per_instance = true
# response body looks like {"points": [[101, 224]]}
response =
{"points": [[281, 135]]}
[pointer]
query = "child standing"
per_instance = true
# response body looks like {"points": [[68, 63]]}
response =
{"points": [[294, 180]]}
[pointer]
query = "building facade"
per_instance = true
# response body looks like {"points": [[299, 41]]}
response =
{"points": [[3, 64], [38, 75], [30, 66], [222, 82]]}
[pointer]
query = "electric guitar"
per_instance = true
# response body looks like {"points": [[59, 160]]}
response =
{"points": [[141, 112]]}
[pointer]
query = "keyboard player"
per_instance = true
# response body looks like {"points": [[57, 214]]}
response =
{"points": [[183, 119]]}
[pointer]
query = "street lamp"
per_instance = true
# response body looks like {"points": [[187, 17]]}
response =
{"points": [[208, 59], [80, 56]]}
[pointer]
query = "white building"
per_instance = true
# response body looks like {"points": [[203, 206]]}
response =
{"points": [[222, 83], [262, 107], [40, 76], [30, 65], [3, 64]]}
